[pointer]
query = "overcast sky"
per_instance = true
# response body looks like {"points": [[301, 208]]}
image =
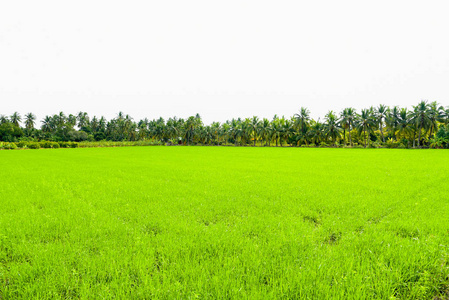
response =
{"points": [[222, 59]]}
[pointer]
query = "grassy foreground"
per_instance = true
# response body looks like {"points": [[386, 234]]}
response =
{"points": [[224, 222]]}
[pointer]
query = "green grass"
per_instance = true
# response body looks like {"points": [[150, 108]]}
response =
{"points": [[224, 222]]}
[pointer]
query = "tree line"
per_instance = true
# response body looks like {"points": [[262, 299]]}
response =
{"points": [[425, 125]]}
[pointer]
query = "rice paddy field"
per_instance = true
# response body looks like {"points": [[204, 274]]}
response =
{"points": [[224, 223]]}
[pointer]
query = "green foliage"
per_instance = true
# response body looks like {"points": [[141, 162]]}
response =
{"points": [[33, 145], [223, 223], [10, 132], [7, 146], [45, 144], [371, 127]]}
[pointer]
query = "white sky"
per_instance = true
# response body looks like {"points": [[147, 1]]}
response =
{"points": [[222, 59]]}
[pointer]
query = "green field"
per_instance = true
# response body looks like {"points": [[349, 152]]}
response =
{"points": [[224, 222]]}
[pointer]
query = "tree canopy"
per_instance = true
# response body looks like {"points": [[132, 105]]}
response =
{"points": [[425, 125]]}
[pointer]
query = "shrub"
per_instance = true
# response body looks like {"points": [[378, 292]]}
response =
{"points": [[74, 145], [8, 146], [33, 145], [45, 144], [377, 144], [21, 144], [55, 145]]}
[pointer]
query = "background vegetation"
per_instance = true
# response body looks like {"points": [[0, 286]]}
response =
{"points": [[425, 125]]}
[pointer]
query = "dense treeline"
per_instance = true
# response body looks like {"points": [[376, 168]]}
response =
{"points": [[425, 125]]}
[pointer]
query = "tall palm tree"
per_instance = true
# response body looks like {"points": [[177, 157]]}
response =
{"points": [[29, 121], [3, 119], [331, 128], [445, 116], [381, 114], [392, 120], [15, 119], [404, 124], [264, 131], [275, 130], [421, 118], [47, 124], [366, 122], [226, 132], [215, 128], [254, 125], [286, 130], [302, 119], [348, 117], [435, 113], [316, 132], [191, 124], [71, 121]]}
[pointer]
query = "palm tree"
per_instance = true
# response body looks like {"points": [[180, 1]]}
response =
{"points": [[302, 119], [331, 129], [435, 114], [264, 131], [275, 129], [3, 119], [29, 121], [226, 132], [71, 121], [403, 121], [392, 120], [16, 118], [316, 132], [190, 127], [421, 118], [60, 119], [254, 125], [215, 127], [83, 119], [381, 114], [366, 123], [348, 117], [47, 124], [445, 116], [286, 130]]}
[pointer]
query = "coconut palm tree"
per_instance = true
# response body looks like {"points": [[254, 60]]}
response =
{"points": [[302, 119], [392, 120], [381, 114], [286, 130], [47, 124], [331, 128], [29, 121], [421, 118], [264, 131], [215, 127], [15, 119], [71, 121], [348, 117], [226, 132], [275, 130], [253, 125], [316, 132], [191, 124], [445, 116], [435, 114], [366, 122], [3, 119]]}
